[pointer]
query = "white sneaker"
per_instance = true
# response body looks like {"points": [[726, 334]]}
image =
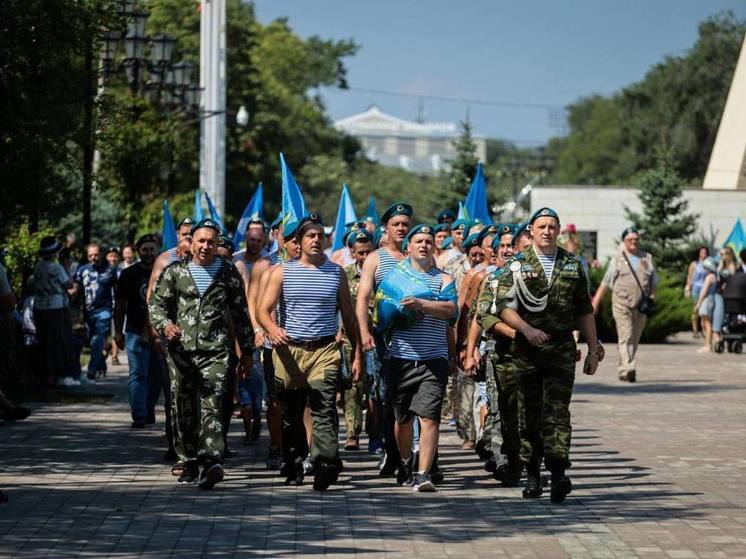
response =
{"points": [[68, 382], [85, 381]]}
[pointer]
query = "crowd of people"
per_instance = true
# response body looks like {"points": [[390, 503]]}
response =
{"points": [[404, 325]]}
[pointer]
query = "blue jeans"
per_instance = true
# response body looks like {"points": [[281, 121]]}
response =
{"points": [[99, 327], [140, 356]]}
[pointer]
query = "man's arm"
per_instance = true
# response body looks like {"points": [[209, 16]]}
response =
{"points": [[120, 308], [239, 312], [252, 295], [350, 323], [364, 291], [267, 303], [161, 302], [439, 309], [158, 266]]}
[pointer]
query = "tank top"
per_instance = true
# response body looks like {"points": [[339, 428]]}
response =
{"points": [[173, 255], [427, 339], [698, 279], [308, 303], [386, 263]]}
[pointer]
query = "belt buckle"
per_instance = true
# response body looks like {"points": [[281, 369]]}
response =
{"points": [[308, 345]]}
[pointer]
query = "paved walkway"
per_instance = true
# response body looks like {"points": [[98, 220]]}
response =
{"points": [[659, 470]]}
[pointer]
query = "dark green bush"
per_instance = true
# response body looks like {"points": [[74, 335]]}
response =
{"points": [[672, 310]]}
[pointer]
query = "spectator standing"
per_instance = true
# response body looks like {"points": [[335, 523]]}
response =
{"points": [[96, 280], [631, 277], [695, 278], [705, 305], [128, 256], [52, 317]]}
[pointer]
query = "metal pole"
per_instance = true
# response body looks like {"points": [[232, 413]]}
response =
{"points": [[213, 83]]}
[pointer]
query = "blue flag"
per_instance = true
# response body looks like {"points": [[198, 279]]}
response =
{"points": [[371, 214], [476, 200], [462, 213], [345, 214], [198, 215], [170, 239], [737, 238], [214, 215], [253, 211], [293, 205]]}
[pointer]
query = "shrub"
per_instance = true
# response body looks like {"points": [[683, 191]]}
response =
{"points": [[22, 254]]}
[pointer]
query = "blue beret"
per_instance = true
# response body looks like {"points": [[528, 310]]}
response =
{"points": [[486, 232], [405, 244], [288, 232], [502, 230], [147, 238], [307, 221], [543, 212], [226, 240], [421, 228], [447, 242], [377, 237], [185, 221], [276, 223], [471, 241], [358, 236], [400, 208], [209, 224], [629, 230], [442, 227], [460, 224], [518, 230], [445, 214]]}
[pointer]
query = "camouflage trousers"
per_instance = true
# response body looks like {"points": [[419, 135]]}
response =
{"points": [[465, 424], [354, 399], [506, 440], [545, 380], [198, 386]]}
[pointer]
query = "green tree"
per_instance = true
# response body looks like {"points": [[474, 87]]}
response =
{"points": [[462, 167], [664, 224]]}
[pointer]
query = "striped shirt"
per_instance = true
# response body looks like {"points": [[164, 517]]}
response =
{"points": [[173, 255], [386, 263], [307, 309], [427, 339], [204, 275], [547, 262]]}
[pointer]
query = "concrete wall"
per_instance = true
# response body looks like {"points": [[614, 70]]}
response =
{"points": [[601, 209]]}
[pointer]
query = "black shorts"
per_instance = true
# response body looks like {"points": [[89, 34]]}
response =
{"points": [[269, 370], [417, 387]]}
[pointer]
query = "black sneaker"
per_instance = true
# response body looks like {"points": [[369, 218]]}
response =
{"points": [[422, 483], [404, 472], [211, 475], [274, 459], [632, 376], [561, 488], [326, 474], [436, 474], [387, 466], [481, 449], [189, 473], [509, 475], [293, 472], [533, 488], [490, 465]]}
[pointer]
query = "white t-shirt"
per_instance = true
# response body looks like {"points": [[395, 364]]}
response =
{"points": [[50, 281]]}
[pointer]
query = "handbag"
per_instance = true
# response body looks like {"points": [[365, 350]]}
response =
{"points": [[646, 305]]}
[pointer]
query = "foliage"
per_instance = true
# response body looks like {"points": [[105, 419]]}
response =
{"points": [[151, 216], [671, 315], [665, 227], [675, 111], [462, 167], [22, 254]]}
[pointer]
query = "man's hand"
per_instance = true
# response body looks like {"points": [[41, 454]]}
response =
{"points": [[591, 364], [279, 337], [600, 352], [244, 366], [119, 340], [357, 369], [259, 337], [172, 332], [412, 304], [535, 336], [367, 341], [470, 366]]}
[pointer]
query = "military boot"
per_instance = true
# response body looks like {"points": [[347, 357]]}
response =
{"points": [[404, 472], [533, 489], [293, 472], [327, 472], [561, 486]]}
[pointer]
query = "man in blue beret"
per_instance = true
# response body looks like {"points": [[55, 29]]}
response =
{"points": [[458, 233], [419, 361], [446, 217], [199, 306], [542, 294], [442, 232], [396, 220]]}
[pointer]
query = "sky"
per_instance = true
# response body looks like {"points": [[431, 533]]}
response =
{"points": [[532, 57]]}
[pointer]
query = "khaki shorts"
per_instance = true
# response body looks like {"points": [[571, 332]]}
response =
{"points": [[297, 367]]}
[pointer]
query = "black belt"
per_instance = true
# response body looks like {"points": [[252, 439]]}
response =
{"points": [[313, 345]]}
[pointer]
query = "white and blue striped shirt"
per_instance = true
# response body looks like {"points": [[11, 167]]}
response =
{"points": [[386, 263], [307, 309], [547, 262], [204, 275], [427, 339]]}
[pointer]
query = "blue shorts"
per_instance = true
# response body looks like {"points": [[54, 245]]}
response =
{"points": [[250, 389]]}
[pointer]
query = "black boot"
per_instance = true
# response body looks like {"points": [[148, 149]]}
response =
{"points": [[387, 466], [533, 489], [190, 473], [436, 474], [293, 471], [327, 472], [404, 472], [561, 486]]}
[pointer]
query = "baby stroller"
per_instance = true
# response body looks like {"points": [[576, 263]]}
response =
{"points": [[734, 326]]}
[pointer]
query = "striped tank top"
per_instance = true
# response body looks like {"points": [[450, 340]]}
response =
{"points": [[426, 339], [203, 276], [386, 263], [307, 309], [547, 263], [173, 256]]}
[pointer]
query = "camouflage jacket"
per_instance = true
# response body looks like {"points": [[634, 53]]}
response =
{"points": [[205, 321], [567, 294]]}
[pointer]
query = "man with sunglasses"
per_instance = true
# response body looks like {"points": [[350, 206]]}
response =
{"points": [[308, 292]]}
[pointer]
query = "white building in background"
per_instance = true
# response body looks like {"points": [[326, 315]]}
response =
{"points": [[598, 212], [415, 146]]}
